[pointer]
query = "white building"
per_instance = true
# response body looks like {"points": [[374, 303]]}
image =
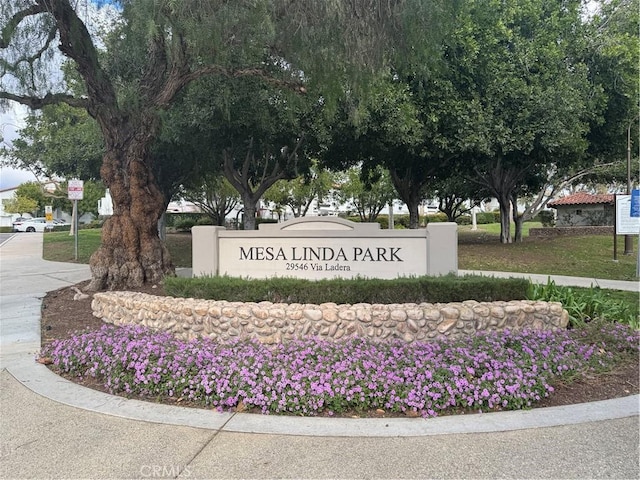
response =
{"points": [[6, 219]]}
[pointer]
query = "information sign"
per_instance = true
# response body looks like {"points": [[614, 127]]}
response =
{"points": [[48, 213], [635, 203], [625, 223], [75, 189]]}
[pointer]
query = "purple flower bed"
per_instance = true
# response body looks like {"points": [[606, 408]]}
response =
{"points": [[309, 377]]}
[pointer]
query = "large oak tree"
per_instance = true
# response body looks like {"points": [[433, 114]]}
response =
{"points": [[158, 48]]}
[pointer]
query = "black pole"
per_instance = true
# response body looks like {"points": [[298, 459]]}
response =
{"points": [[615, 226], [628, 239]]}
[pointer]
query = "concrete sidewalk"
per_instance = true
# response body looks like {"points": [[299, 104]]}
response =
{"points": [[561, 280], [52, 428]]}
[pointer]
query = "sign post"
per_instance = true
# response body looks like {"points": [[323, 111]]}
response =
{"points": [[75, 190]]}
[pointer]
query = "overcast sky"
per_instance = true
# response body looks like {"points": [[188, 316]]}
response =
{"points": [[96, 19], [10, 122]]}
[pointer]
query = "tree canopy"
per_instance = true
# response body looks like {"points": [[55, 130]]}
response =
{"points": [[528, 92], [156, 49], [58, 141]]}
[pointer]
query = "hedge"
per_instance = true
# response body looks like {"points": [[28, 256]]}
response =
{"points": [[443, 289]]}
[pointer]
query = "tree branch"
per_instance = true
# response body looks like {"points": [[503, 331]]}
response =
{"points": [[10, 27], [77, 44], [49, 99], [31, 59]]}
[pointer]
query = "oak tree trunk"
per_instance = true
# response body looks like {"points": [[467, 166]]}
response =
{"points": [[505, 220], [414, 216], [518, 219], [409, 190], [249, 222], [132, 253]]}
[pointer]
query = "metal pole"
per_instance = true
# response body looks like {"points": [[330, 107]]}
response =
{"points": [[615, 224], [75, 228], [628, 239]]}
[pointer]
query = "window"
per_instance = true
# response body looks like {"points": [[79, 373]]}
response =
{"points": [[578, 212]]}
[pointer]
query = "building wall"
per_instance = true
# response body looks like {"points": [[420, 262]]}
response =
{"points": [[584, 215], [6, 219]]}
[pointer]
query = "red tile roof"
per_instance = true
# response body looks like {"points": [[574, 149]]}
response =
{"points": [[583, 199]]}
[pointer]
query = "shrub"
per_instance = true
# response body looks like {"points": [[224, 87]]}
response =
{"points": [[383, 220], [184, 224], [401, 221], [483, 218], [435, 218], [444, 289], [204, 220], [265, 220], [173, 220], [91, 224], [547, 218], [584, 306]]}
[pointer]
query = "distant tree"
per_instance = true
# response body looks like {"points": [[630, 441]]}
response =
{"points": [[456, 194], [611, 50], [215, 196], [383, 130], [20, 204], [57, 141], [300, 193], [92, 192], [255, 134], [529, 94], [30, 193], [367, 191]]}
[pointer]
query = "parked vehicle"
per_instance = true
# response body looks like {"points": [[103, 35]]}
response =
{"points": [[38, 224]]}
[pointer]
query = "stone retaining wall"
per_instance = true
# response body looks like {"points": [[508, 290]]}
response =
{"points": [[273, 323]]}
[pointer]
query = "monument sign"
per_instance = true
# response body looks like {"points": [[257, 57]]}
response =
{"points": [[325, 247]]}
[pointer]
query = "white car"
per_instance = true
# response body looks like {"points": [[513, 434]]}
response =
{"points": [[38, 224]]}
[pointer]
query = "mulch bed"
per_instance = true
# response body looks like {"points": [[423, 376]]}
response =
{"points": [[62, 316]]}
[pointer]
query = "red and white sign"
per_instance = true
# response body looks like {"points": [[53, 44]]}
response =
{"points": [[75, 189]]}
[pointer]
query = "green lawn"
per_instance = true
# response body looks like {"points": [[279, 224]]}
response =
{"points": [[493, 229], [585, 256], [58, 246]]}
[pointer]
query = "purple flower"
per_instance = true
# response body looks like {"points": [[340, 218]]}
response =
{"points": [[497, 370]]}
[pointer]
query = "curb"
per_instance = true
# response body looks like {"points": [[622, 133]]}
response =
{"points": [[44, 382]]}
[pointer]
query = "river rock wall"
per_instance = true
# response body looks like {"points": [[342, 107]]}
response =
{"points": [[273, 323]]}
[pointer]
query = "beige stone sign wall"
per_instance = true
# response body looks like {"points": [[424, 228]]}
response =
{"points": [[325, 247]]}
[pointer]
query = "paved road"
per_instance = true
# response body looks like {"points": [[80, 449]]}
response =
{"points": [[5, 236], [50, 428]]}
